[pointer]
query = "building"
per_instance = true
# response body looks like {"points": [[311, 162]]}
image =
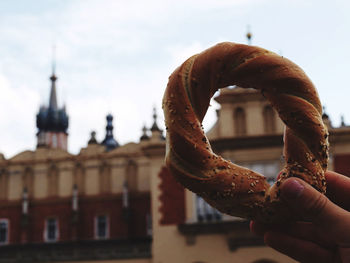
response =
{"points": [[248, 132], [118, 203], [57, 206]]}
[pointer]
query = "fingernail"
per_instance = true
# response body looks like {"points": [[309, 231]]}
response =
{"points": [[291, 189]]}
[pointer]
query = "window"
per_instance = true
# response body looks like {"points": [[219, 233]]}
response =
{"points": [[269, 120], [206, 213], [269, 169], [51, 230], [4, 231], [101, 227], [240, 122], [149, 224]]}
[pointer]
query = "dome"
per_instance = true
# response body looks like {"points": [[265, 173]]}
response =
{"points": [[41, 118], [49, 119]]}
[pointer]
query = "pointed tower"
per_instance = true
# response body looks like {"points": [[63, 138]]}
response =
{"points": [[144, 136], [109, 140], [157, 133], [52, 122], [326, 119]]}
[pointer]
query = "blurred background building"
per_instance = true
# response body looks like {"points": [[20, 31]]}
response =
{"points": [[118, 203]]}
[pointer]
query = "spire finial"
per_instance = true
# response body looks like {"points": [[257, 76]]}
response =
{"points": [[342, 121], [155, 125], [154, 114], [325, 118], [53, 78], [92, 139], [324, 114], [144, 130], [144, 134], [109, 140], [249, 35]]}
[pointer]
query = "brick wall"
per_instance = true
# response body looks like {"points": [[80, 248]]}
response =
{"points": [[172, 199], [31, 228]]}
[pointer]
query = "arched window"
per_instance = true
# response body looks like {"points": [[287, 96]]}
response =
{"points": [[53, 180], [131, 175], [269, 119], [105, 178], [240, 122], [27, 180]]}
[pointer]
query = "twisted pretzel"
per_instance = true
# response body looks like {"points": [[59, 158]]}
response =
{"points": [[230, 188]]}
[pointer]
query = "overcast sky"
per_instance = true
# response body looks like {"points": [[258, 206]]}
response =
{"points": [[115, 56]]}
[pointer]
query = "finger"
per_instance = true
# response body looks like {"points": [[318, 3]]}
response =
{"points": [[316, 207], [300, 250], [301, 230], [338, 189], [309, 232], [258, 228]]}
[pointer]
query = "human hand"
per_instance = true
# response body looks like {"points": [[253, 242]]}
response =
{"points": [[324, 235]]}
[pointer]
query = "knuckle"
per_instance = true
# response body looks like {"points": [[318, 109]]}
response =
{"points": [[316, 207]]}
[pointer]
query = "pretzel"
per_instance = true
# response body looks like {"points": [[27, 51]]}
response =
{"points": [[230, 188]]}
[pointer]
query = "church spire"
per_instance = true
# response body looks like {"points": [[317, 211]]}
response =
{"points": [[51, 121], [53, 96], [155, 125], [144, 136], [53, 78], [157, 133]]}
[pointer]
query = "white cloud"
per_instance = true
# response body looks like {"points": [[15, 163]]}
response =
{"points": [[16, 118], [116, 56], [179, 53]]}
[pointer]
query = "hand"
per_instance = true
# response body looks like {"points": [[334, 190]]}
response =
{"points": [[324, 236]]}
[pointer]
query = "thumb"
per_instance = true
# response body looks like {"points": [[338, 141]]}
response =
{"points": [[311, 205]]}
